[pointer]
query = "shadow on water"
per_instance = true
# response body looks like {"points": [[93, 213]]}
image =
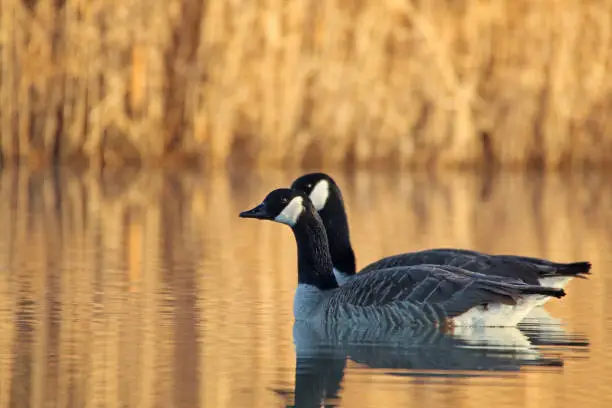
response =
{"points": [[425, 355], [144, 289]]}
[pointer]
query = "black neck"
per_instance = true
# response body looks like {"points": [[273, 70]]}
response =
{"points": [[314, 260], [336, 226], [318, 378]]}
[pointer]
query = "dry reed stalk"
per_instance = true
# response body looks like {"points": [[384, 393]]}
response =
{"points": [[293, 83]]}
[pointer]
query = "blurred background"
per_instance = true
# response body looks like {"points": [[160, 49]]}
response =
{"points": [[393, 83], [133, 132]]}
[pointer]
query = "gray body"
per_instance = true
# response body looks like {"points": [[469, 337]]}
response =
{"points": [[420, 295]]}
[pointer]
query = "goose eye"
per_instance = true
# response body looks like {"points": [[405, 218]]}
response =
{"points": [[284, 200], [309, 185]]}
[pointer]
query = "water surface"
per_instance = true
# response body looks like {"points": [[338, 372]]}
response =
{"points": [[145, 289]]}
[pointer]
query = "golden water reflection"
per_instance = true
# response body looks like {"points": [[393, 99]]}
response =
{"points": [[145, 289]]}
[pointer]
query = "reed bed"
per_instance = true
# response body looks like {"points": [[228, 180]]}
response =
{"points": [[291, 83]]}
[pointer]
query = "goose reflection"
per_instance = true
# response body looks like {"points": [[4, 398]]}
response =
{"points": [[419, 352], [543, 330]]}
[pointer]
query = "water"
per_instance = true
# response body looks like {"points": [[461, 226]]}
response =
{"points": [[137, 289]]}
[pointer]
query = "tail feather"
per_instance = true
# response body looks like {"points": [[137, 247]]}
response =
{"points": [[510, 303], [541, 290], [515, 290], [576, 269]]}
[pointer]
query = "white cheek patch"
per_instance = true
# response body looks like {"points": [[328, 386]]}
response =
{"points": [[291, 213], [319, 194]]}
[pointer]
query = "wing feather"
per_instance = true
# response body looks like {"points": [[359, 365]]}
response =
{"points": [[473, 261], [428, 293]]}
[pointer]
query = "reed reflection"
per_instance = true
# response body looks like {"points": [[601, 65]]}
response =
{"points": [[141, 289]]}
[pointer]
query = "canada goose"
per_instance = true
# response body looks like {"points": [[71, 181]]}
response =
{"points": [[422, 294], [327, 199]]}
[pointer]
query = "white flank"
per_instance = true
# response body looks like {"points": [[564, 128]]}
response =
{"points": [[319, 194], [555, 281], [498, 314], [291, 213]]}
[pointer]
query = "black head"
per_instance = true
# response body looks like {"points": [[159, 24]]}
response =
{"points": [[327, 200], [318, 186], [293, 207], [283, 205]]}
